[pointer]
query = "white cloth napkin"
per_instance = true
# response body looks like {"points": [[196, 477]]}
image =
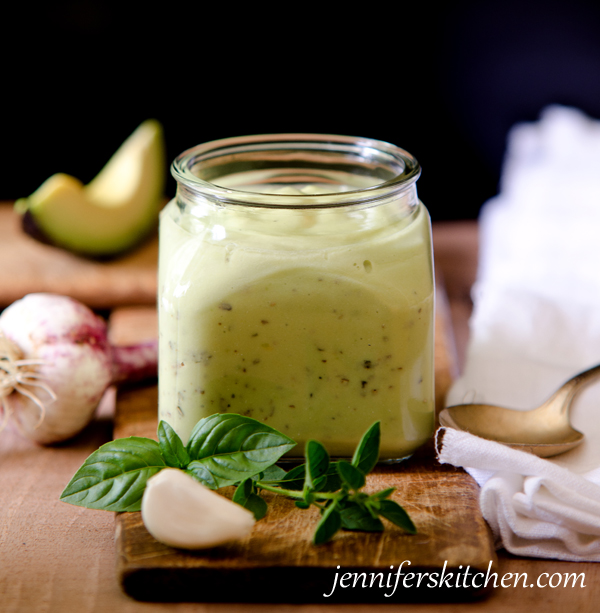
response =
{"points": [[536, 323]]}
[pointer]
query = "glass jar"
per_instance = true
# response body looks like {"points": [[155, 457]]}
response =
{"points": [[296, 287]]}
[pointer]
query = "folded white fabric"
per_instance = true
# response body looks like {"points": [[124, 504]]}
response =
{"points": [[536, 323]]}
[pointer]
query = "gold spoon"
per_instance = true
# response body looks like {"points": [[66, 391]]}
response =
{"points": [[545, 431]]}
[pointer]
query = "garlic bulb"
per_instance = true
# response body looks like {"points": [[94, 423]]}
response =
{"points": [[56, 363], [181, 512]]}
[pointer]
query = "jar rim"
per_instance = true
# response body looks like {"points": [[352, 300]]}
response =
{"points": [[402, 168]]}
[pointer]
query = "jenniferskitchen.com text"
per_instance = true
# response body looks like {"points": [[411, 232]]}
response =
{"points": [[457, 578]]}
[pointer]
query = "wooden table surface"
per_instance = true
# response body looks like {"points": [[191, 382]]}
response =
{"points": [[58, 558]]}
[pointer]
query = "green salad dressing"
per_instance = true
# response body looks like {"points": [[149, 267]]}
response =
{"points": [[317, 323]]}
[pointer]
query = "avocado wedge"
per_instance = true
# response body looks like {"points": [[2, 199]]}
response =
{"points": [[111, 214]]}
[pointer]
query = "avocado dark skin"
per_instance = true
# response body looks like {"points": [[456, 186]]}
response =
{"points": [[31, 228]]}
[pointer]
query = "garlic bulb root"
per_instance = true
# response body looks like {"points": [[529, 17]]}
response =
{"points": [[19, 375]]}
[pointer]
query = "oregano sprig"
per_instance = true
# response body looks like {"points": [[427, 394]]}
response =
{"points": [[230, 449], [336, 489]]}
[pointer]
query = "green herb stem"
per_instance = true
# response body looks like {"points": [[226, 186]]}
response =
{"points": [[295, 493]]}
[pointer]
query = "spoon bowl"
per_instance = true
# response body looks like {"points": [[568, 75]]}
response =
{"points": [[545, 431]]}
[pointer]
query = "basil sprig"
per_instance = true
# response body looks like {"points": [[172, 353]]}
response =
{"points": [[223, 449], [230, 449]]}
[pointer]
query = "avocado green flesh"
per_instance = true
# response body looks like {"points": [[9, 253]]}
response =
{"points": [[116, 210]]}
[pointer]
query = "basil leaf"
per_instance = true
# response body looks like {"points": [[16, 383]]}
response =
{"points": [[232, 447], [202, 474], [294, 478], [113, 478], [272, 474], [356, 517], [246, 497], [393, 512], [367, 452], [317, 463], [173, 451], [328, 525], [350, 475]]}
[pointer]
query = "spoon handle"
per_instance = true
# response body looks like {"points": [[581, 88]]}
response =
{"points": [[565, 395]]}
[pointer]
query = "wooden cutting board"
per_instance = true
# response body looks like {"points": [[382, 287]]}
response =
{"points": [[277, 562], [29, 266]]}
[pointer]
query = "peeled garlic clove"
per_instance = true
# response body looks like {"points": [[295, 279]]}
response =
{"points": [[179, 511]]}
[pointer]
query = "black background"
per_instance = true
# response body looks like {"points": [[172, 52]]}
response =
{"points": [[444, 81]]}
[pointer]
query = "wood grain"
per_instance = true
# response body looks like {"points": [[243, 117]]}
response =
{"points": [[456, 245], [442, 500], [30, 266]]}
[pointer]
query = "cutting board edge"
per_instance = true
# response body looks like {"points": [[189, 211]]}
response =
{"points": [[210, 585]]}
